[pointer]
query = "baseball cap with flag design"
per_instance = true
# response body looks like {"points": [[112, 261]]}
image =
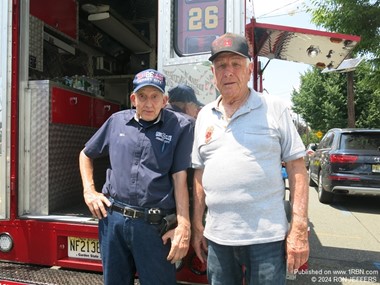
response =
{"points": [[229, 43], [149, 77]]}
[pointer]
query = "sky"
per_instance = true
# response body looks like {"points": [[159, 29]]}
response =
{"points": [[280, 77]]}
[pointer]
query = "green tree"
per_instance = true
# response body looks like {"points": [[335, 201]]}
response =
{"points": [[367, 96], [321, 99]]}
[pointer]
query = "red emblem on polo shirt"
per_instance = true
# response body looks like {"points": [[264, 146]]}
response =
{"points": [[209, 132]]}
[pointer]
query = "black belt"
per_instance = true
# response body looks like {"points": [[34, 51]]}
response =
{"points": [[128, 212], [152, 215]]}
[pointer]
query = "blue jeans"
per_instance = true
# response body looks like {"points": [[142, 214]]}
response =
{"points": [[259, 264], [129, 245]]}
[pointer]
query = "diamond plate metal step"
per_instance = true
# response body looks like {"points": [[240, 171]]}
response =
{"points": [[39, 275]]}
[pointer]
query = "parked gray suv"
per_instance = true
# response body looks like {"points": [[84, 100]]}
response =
{"points": [[346, 162]]}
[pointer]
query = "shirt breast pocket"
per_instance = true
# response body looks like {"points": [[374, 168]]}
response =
{"points": [[260, 144]]}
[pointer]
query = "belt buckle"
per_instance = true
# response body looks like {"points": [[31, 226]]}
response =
{"points": [[126, 210]]}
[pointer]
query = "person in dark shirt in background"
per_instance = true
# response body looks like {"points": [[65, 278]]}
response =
{"points": [[182, 99]]}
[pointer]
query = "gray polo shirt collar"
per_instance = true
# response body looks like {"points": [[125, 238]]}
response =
{"points": [[254, 101]]}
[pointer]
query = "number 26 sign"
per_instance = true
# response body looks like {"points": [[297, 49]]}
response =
{"points": [[197, 24]]}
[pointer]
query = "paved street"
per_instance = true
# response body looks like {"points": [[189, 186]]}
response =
{"points": [[345, 241]]}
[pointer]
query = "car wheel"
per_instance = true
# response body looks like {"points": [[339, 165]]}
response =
{"points": [[323, 196], [311, 181]]}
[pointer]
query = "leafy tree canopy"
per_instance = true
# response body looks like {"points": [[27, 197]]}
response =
{"points": [[321, 99]]}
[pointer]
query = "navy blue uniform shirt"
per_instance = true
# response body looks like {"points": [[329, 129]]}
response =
{"points": [[143, 159]]}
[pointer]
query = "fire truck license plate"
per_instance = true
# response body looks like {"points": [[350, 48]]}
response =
{"points": [[83, 248], [376, 168]]}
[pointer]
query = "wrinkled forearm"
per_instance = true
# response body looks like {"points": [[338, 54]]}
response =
{"points": [[299, 193], [297, 240], [181, 194], [180, 236], [199, 205], [86, 170]]}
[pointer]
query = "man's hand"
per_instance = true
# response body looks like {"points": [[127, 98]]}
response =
{"points": [[180, 241], [297, 247], [97, 203], [199, 244]]}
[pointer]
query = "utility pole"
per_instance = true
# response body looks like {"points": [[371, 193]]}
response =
{"points": [[348, 66], [350, 100]]}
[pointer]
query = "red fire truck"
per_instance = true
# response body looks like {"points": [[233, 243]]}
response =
{"points": [[66, 66]]}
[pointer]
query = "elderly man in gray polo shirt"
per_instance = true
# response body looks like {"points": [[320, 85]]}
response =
{"points": [[240, 141]]}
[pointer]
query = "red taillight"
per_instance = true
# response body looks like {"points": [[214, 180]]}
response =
{"points": [[342, 178], [343, 158]]}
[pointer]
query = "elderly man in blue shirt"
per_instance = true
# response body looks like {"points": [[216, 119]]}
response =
{"points": [[149, 149]]}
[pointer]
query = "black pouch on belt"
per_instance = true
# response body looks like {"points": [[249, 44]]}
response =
{"points": [[168, 222], [154, 216]]}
